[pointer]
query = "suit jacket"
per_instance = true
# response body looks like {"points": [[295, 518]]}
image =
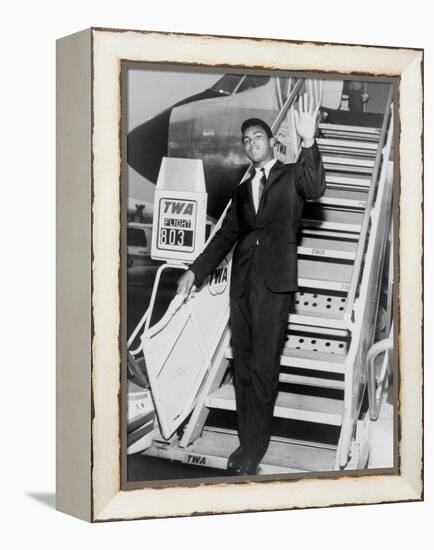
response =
{"points": [[270, 234]]}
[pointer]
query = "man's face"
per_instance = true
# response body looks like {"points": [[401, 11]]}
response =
{"points": [[257, 145]]}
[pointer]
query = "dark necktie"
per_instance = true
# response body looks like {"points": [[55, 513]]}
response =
{"points": [[262, 183]]}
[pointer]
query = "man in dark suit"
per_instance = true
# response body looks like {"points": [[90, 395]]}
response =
{"points": [[263, 221]]}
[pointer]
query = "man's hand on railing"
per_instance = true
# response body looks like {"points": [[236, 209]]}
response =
{"points": [[185, 283]]}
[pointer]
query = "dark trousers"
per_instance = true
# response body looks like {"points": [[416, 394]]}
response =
{"points": [[259, 321]]}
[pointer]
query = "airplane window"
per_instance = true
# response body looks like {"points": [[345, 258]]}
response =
{"points": [[252, 81], [136, 237], [227, 84]]}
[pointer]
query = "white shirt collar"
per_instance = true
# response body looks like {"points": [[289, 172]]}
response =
{"points": [[267, 167], [253, 171]]}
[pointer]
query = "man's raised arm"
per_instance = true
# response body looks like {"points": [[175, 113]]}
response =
{"points": [[309, 170]]}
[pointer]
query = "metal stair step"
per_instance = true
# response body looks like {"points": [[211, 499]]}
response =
{"points": [[324, 274], [321, 233], [327, 243], [346, 198], [284, 455], [313, 360], [345, 203], [330, 214], [306, 359], [315, 304], [348, 152], [342, 180], [345, 145], [319, 330], [322, 410], [334, 226], [347, 164], [332, 218], [349, 132], [325, 253], [348, 161], [323, 284], [325, 320], [327, 248], [345, 168], [357, 136], [311, 381]]}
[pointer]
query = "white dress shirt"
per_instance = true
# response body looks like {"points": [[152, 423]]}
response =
{"points": [[257, 178]]}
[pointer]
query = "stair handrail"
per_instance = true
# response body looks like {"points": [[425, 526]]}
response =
{"points": [[357, 342], [360, 251], [135, 333], [287, 105], [381, 346]]}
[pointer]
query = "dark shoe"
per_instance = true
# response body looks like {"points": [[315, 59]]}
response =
{"points": [[249, 467], [235, 460]]}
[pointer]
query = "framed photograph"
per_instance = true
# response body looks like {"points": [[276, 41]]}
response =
{"points": [[239, 302]]}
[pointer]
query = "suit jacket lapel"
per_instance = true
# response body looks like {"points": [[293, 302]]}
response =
{"points": [[248, 182], [272, 177]]}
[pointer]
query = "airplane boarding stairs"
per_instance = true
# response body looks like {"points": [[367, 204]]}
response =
{"points": [[318, 425]]}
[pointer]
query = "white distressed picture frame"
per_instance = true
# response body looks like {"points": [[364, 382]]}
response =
{"points": [[89, 266]]}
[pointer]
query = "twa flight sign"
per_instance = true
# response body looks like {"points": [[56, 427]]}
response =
{"points": [[179, 211]]}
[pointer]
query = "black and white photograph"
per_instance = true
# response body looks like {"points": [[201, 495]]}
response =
{"points": [[258, 268], [216, 275], [240, 300]]}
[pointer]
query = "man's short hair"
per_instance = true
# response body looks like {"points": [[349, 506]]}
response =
{"points": [[256, 122]]}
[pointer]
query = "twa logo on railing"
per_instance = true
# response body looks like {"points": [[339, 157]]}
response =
{"points": [[218, 280], [280, 147]]}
